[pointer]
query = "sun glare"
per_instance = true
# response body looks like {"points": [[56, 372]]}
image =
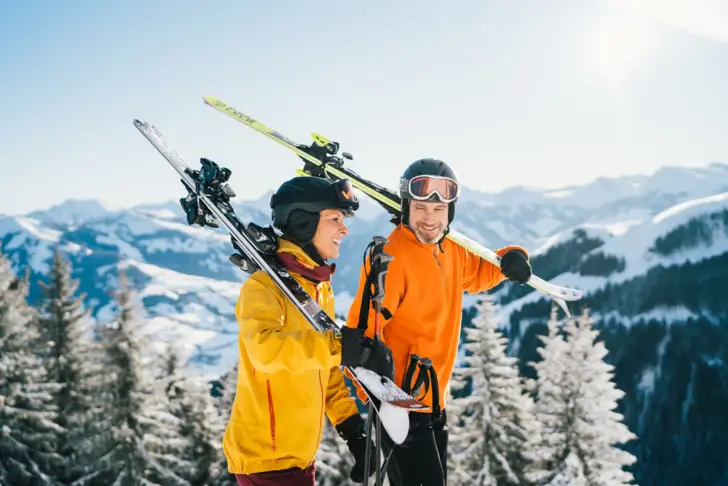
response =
{"points": [[619, 45]]}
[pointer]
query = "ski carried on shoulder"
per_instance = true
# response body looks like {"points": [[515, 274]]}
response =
{"points": [[207, 203], [321, 159]]}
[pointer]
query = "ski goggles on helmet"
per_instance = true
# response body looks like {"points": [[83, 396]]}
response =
{"points": [[424, 187], [347, 199], [345, 192]]}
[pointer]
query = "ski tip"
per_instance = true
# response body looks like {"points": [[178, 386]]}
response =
{"points": [[210, 100], [561, 303]]}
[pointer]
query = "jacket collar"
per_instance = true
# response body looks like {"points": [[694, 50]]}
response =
{"points": [[296, 260]]}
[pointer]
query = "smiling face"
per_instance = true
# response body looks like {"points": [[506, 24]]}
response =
{"points": [[428, 220], [330, 232]]}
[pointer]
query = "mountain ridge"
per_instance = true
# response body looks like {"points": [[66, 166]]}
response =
{"points": [[653, 264]]}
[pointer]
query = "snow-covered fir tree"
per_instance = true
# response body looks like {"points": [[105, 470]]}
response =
{"points": [[27, 428], [195, 452], [65, 349], [333, 459], [493, 432], [224, 406], [227, 391], [576, 408], [130, 418]]}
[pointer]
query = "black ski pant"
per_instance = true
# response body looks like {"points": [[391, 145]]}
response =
{"points": [[421, 460]]}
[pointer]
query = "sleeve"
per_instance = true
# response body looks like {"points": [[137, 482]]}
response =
{"points": [[394, 290], [480, 274], [271, 347], [340, 405]]}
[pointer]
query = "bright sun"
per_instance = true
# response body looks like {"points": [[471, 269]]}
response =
{"points": [[621, 43]]}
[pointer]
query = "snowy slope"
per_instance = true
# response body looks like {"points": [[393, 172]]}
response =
{"points": [[636, 243], [633, 240], [195, 313]]}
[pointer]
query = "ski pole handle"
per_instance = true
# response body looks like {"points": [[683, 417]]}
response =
{"points": [[379, 262]]}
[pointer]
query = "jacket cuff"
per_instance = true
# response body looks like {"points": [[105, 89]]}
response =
{"points": [[506, 249]]}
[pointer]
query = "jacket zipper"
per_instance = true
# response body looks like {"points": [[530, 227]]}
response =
{"points": [[272, 413], [321, 414], [442, 272]]}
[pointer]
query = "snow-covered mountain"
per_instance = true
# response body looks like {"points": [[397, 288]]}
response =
{"points": [[183, 273], [651, 252]]}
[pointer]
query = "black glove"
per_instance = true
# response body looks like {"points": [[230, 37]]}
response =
{"points": [[360, 350], [352, 430], [515, 266], [244, 263]]}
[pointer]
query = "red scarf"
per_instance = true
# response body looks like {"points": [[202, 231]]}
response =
{"points": [[317, 274]]}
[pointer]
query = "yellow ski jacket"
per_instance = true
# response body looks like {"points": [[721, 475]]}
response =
{"points": [[289, 375]]}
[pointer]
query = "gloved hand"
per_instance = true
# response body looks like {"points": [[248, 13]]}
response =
{"points": [[244, 263], [360, 350], [515, 266], [352, 430]]}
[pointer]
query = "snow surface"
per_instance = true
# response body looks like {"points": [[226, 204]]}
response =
{"points": [[171, 210], [200, 316], [667, 314], [218, 295], [28, 229], [693, 207], [37, 239], [632, 243]]}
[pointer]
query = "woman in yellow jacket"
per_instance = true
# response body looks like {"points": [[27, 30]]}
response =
{"points": [[289, 374]]}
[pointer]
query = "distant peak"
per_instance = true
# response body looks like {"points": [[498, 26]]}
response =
{"points": [[74, 211]]}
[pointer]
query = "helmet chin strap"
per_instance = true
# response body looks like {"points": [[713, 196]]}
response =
{"points": [[311, 250]]}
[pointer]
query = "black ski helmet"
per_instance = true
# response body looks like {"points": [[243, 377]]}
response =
{"points": [[297, 202], [427, 167]]}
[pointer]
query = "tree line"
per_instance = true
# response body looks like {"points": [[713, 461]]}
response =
{"points": [[88, 404]]}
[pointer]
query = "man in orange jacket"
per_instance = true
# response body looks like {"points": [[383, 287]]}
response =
{"points": [[288, 373], [422, 309]]}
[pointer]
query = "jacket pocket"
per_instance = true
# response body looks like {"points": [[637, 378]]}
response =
{"points": [[272, 414]]}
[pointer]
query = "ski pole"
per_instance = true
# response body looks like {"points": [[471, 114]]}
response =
{"points": [[379, 266]]}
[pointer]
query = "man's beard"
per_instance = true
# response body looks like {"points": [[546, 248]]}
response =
{"points": [[426, 238]]}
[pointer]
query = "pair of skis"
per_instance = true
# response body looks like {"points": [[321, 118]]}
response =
{"points": [[209, 194], [208, 201], [321, 159]]}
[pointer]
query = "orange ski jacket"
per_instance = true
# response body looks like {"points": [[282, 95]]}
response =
{"points": [[288, 377], [423, 292]]}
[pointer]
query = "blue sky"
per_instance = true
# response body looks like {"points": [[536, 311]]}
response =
{"points": [[510, 93]]}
